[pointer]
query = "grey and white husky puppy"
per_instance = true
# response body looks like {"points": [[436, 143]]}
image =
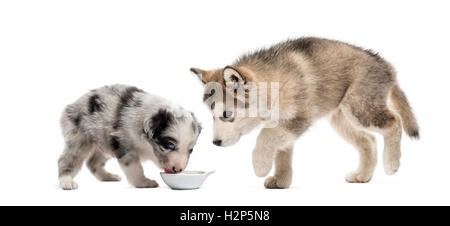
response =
{"points": [[129, 124], [356, 88]]}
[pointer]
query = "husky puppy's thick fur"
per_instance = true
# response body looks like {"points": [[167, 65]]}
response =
{"points": [[317, 78], [129, 124]]}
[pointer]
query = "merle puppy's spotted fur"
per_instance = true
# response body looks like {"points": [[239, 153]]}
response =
{"points": [[129, 124]]}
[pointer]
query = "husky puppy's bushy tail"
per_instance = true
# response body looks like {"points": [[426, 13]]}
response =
{"points": [[402, 106]]}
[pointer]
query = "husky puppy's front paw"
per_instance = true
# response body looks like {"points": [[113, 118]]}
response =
{"points": [[274, 182], [358, 177], [67, 183], [261, 165], [147, 183]]}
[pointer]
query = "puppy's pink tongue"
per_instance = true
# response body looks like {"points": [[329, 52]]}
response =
{"points": [[167, 171]]}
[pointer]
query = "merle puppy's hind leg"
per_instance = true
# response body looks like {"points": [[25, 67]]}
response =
{"points": [[363, 142], [96, 164], [70, 162]]}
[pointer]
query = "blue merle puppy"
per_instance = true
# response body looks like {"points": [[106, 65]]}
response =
{"points": [[129, 124]]}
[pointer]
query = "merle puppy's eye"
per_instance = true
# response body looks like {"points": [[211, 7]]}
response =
{"points": [[170, 146], [227, 114], [190, 151]]}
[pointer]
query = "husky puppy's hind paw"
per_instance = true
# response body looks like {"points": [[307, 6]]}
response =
{"points": [[67, 183], [391, 166]]}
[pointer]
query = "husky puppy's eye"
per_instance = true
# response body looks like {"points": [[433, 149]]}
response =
{"points": [[190, 151], [227, 114]]}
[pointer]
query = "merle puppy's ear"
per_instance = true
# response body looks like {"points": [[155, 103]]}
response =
{"points": [[237, 77], [147, 127], [200, 127], [158, 122], [195, 123], [199, 73]]}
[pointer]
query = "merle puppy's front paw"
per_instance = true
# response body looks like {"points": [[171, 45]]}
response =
{"points": [[147, 183]]}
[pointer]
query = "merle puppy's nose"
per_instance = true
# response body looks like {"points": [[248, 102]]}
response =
{"points": [[176, 170], [217, 142]]}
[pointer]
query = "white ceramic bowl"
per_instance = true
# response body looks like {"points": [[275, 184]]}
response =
{"points": [[185, 180]]}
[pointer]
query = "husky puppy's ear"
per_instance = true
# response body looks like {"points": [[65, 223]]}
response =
{"points": [[235, 77], [199, 73]]}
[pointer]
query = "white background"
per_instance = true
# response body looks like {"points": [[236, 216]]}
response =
{"points": [[51, 52]]}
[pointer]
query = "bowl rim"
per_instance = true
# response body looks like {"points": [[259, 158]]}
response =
{"points": [[197, 173]]}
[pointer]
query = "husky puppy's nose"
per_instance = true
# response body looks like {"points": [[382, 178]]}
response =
{"points": [[217, 142]]}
